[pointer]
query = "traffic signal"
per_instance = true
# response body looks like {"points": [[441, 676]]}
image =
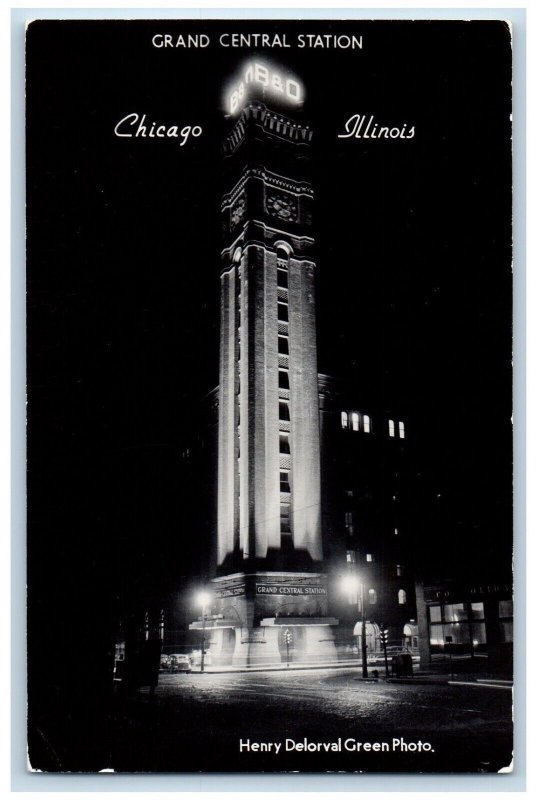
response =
{"points": [[384, 636]]}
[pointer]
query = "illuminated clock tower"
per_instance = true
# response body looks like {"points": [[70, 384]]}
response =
{"points": [[269, 593]]}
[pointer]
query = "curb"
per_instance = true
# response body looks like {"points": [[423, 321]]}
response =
{"points": [[294, 668]]}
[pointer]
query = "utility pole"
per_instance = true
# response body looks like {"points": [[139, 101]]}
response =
{"points": [[203, 639], [364, 642]]}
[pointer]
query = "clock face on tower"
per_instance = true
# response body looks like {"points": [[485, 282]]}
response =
{"points": [[282, 206]]}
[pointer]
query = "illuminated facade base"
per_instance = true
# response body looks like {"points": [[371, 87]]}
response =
{"points": [[269, 618]]}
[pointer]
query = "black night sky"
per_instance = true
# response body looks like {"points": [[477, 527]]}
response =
{"points": [[414, 292]]}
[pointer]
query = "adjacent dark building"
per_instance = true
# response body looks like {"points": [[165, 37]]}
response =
{"points": [[367, 522]]}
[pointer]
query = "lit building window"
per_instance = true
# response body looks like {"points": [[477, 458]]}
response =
{"points": [[505, 608], [478, 611], [369, 557], [455, 612], [372, 596], [391, 427], [351, 557], [349, 492], [146, 624], [401, 597], [458, 623], [344, 419], [367, 423], [354, 421], [396, 531], [505, 613], [401, 430], [399, 570]]}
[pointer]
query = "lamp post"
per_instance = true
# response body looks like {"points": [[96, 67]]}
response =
{"points": [[364, 642], [203, 600], [351, 585]]}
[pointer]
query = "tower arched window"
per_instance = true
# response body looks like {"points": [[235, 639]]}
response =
{"points": [[283, 251], [391, 427], [282, 272], [344, 419], [355, 423], [401, 597], [367, 423], [401, 430]]}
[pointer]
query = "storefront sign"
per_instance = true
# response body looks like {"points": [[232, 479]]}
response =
{"points": [[285, 589], [231, 591]]}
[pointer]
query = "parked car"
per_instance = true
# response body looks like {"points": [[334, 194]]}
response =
{"points": [[164, 661], [178, 662]]}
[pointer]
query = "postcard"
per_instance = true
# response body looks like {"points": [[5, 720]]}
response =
{"points": [[269, 396]]}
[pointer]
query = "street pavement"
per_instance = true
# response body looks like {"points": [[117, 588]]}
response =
{"points": [[323, 720]]}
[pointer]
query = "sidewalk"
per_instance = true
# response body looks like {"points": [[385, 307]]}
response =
{"points": [[460, 680], [284, 667]]}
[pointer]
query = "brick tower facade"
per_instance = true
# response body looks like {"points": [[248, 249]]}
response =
{"points": [[270, 597]]}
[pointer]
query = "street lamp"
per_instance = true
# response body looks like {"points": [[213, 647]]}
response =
{"points": [[203, 600], [351, 584]]}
